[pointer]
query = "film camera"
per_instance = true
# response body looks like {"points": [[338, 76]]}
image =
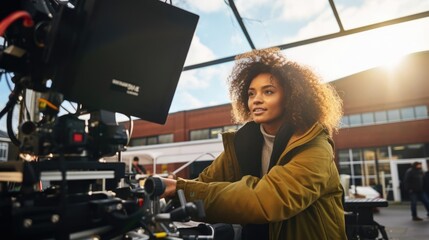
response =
{"points": [[127, 52]]}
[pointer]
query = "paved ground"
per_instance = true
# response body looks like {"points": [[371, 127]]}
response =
{"points": [[399, 226]]}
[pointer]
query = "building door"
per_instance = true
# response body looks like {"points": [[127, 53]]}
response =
{"points": [[398, 168]]}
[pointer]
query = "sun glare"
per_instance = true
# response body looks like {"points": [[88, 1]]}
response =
{"points": [[390, 45], [393, 61]]}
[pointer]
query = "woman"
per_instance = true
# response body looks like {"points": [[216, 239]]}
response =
{"points": [[278, 170]]}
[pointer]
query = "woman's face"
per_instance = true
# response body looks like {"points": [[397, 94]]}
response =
{"points": [[266, 102]]}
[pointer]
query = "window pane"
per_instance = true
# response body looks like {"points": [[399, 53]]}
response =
{"points": [[165, 138], [370, 168], [381, 117], [345, 168], [214, 132], [384, 167], [343, 156], [199, 134], [393, 115], [345, 121], [3, 151], [357, 169], [408, 151], [382, 153], [407, 113], [356, 155], [371, 180], [152, 140], [138, 142], [421, 111], [368, 118], [230, 128], [357, 181], [368, 154], [355, 120], [426, 150]]}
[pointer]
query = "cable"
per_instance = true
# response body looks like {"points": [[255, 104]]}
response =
{"points": [[13, 98], [24, 103], [46, 103], [130, 130], [28, 21], [7, 79], [9, 127]]}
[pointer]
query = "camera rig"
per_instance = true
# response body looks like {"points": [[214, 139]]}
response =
{"points": [[68, 44]]}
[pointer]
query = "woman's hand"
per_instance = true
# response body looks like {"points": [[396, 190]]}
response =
{"points": [[170, 188]]}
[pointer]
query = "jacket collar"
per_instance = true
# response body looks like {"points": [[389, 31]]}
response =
{"points": [[248, 147], [248, 142]]}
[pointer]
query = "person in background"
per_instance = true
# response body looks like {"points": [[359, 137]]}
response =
{"points": [[413, 183], [277, 175], [136, 167]]}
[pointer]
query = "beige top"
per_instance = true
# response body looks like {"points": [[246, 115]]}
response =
{"points": [[267, 149]]}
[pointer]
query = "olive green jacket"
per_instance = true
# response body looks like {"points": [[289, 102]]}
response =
{"points": [[300, 200]]}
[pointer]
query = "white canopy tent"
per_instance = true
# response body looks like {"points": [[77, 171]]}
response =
{"points": [[182, 152]]}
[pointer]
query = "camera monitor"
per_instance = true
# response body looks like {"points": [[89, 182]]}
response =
{"points": [[122, 56]]}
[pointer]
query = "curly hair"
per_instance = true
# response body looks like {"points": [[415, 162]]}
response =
{"points": [[308, 100]]}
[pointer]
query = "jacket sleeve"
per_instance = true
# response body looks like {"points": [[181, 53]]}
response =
{"points": [[281, 194], [222, 169]]}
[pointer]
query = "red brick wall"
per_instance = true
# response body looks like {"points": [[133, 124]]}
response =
{"points": [[180, 123], [384, 134]]}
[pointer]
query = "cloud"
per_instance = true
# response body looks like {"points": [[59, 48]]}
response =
{"points": [[377, 11], [202, 87], [251, 6], [290, 10], [322, 25], [237, 39], [191, 80], [202, 78], [188, 101], [203, 6], [300, 10], [198, 52]]}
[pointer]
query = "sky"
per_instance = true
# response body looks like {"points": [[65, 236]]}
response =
{"points": [[331, 59], [275, 22]]}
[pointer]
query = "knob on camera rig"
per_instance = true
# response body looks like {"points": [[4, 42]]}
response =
{"points": [[159, 220]]}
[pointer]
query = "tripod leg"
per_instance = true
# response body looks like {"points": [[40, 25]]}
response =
{"points": [[382, 230]]}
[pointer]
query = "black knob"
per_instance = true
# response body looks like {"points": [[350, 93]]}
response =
{"points": [[154, 186]]}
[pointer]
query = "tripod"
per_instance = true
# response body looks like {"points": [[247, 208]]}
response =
{"points": [[359, 218]]}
